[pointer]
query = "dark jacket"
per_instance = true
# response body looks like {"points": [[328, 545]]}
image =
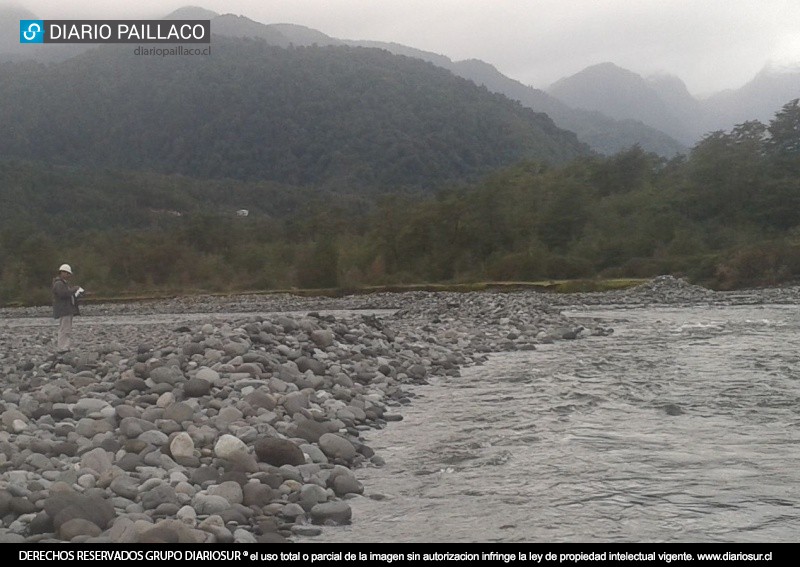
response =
{"points": [[64, 302]]}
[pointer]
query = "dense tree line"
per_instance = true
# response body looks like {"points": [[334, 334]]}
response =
{"points": [[726, 215]]}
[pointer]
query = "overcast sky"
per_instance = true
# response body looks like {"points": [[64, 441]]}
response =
{"points": [[710, 44]]}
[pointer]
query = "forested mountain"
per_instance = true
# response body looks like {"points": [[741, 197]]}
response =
{"points": [[663, 102], [603, 134], [759, 99], [609, 108], [620, 94], [327, 116]]}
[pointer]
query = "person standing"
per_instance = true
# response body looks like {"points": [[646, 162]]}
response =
{"points": [[65, 306]]}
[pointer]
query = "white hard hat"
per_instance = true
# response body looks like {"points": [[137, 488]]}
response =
{"points": [[65, 268]]}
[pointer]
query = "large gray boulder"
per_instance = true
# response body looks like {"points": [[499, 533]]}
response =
{"points": [[278, 452]]}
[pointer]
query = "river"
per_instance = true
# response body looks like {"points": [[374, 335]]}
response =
{"points": [[682, 426]]}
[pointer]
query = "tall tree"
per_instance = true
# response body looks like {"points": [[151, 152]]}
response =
{"points": [[784, 142]]}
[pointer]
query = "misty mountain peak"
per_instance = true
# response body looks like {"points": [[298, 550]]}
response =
{"points": [[603, 79], [603, 71], [191, 13], [621, 94], [673, 91], [777, 69]]}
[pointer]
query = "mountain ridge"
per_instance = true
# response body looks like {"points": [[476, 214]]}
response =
{"points": [[620, 94], [665, 103], [330, 116], [603, 134], [656, 113]]}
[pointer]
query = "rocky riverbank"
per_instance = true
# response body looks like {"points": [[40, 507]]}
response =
{"points": [[237, 419]]}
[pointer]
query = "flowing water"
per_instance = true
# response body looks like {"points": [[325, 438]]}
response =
{"points": [[682, 426]]}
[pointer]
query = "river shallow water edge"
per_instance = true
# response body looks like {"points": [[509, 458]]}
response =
{"points": [[666, 412]]}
